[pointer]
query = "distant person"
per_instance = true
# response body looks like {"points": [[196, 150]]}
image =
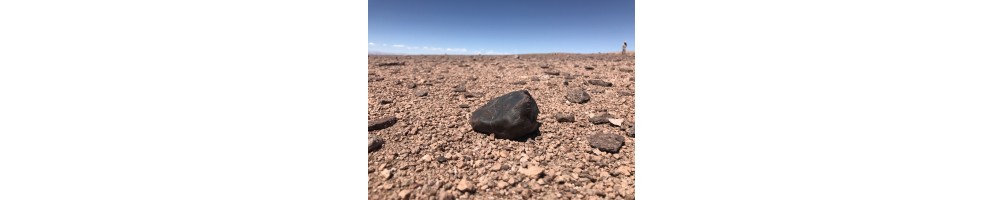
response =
{"points": [[624, 48]]}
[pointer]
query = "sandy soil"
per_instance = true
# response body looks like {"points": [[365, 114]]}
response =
{"points": [[431, 152]]}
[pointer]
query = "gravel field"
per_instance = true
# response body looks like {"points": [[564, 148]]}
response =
{"points": [[422, 144]]}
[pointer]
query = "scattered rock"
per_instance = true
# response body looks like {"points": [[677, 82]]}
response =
{"points": [[382, 122], [471, 95], [615, 122], [552, 72], [519, 83], [534, 78], [464, 106], [421, 92], [460, 88], [386, 174], [625, 93], [386, 101], [465, 186], [404, 194], [374, 79], [375, 142], [443, 195], [440, 159], [390, 64], [532, 171], [622, 170], [600, 83], [577, 95], [600, 119], [426, 158], [564, 117], [606, 142], [411, 85], [624, 69], [630, 132], [589, 67], [508, 116]]}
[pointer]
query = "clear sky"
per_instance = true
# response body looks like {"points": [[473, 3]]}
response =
{"points": [[500, 26]]}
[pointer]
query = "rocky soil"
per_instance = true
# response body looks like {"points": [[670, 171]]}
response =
{"points": [[422, 145]]}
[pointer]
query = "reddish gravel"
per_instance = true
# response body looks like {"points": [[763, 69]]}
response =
{"points": [[431, 152]]}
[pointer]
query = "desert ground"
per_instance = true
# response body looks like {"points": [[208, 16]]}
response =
{"points": [[422, 145]]}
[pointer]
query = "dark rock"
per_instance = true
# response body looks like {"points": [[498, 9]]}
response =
{"points": [[577, 95], [411, 85], [375, 142], [397, 82], [606, 142], [600, 119], [421, 92], [464, 106], [509, 116], [624, 69], [460, 88], [390, 64], [589, 68], [625, 93], [564, 117], [630, 131], [382, 122], [600, 83], [534, 78], [440, 159], [519, 82], [471, 95], [374, 79], [552, 72], [386, 101]]}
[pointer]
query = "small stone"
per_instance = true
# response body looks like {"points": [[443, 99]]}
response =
{"points": [[460, 88], [600, 119], [600, 83], [471, 95], [465, 186], [404, 194], [509, 116], [375, 142], [589, 67], [625, 93], [505, 167], [616, 122], [426, 158], [577, 95], [495, 167], [630, 132], [386, 101], [532, 171], [421, 92], [534, 78], [552, 72], [443, 195], [564, 117], [606, 142], [519, 83], [382, 122], [411, 85], [464, 106], [440, 159], [624, 69], [622, 170], [386, 174]]}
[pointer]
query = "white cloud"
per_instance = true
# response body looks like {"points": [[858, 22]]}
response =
{"points": [[398, 45], [371, 44]]}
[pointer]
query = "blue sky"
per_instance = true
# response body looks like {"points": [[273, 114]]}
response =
{"points": [[500, 27]]}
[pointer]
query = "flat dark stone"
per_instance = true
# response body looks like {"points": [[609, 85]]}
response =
{"points": [[600, 83], [600, 119], [519, 83], [375, 142], [577, 95], [390, 64], [464, 106], [564, 117], [606, 142], [552, 72], [421, 92], [411, 85], [460, 88], [589, 68], [624, 69], [509, 116], [382, 122], [386, 101]]}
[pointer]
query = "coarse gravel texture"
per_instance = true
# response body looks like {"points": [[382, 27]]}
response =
{"points": [[431, 152]]}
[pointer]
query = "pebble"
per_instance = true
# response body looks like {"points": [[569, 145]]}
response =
{"points": [[600, 83], [532, 171], [421, 92], [552, 72], [615, 122], [460, 88], [404, 194], [386, 101], [565, 117], [411, 85], [426, 158], [465, 186], [577, 95], [386, 174], [606, 142], [375, 142], [600, 119], [382, 122]]}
